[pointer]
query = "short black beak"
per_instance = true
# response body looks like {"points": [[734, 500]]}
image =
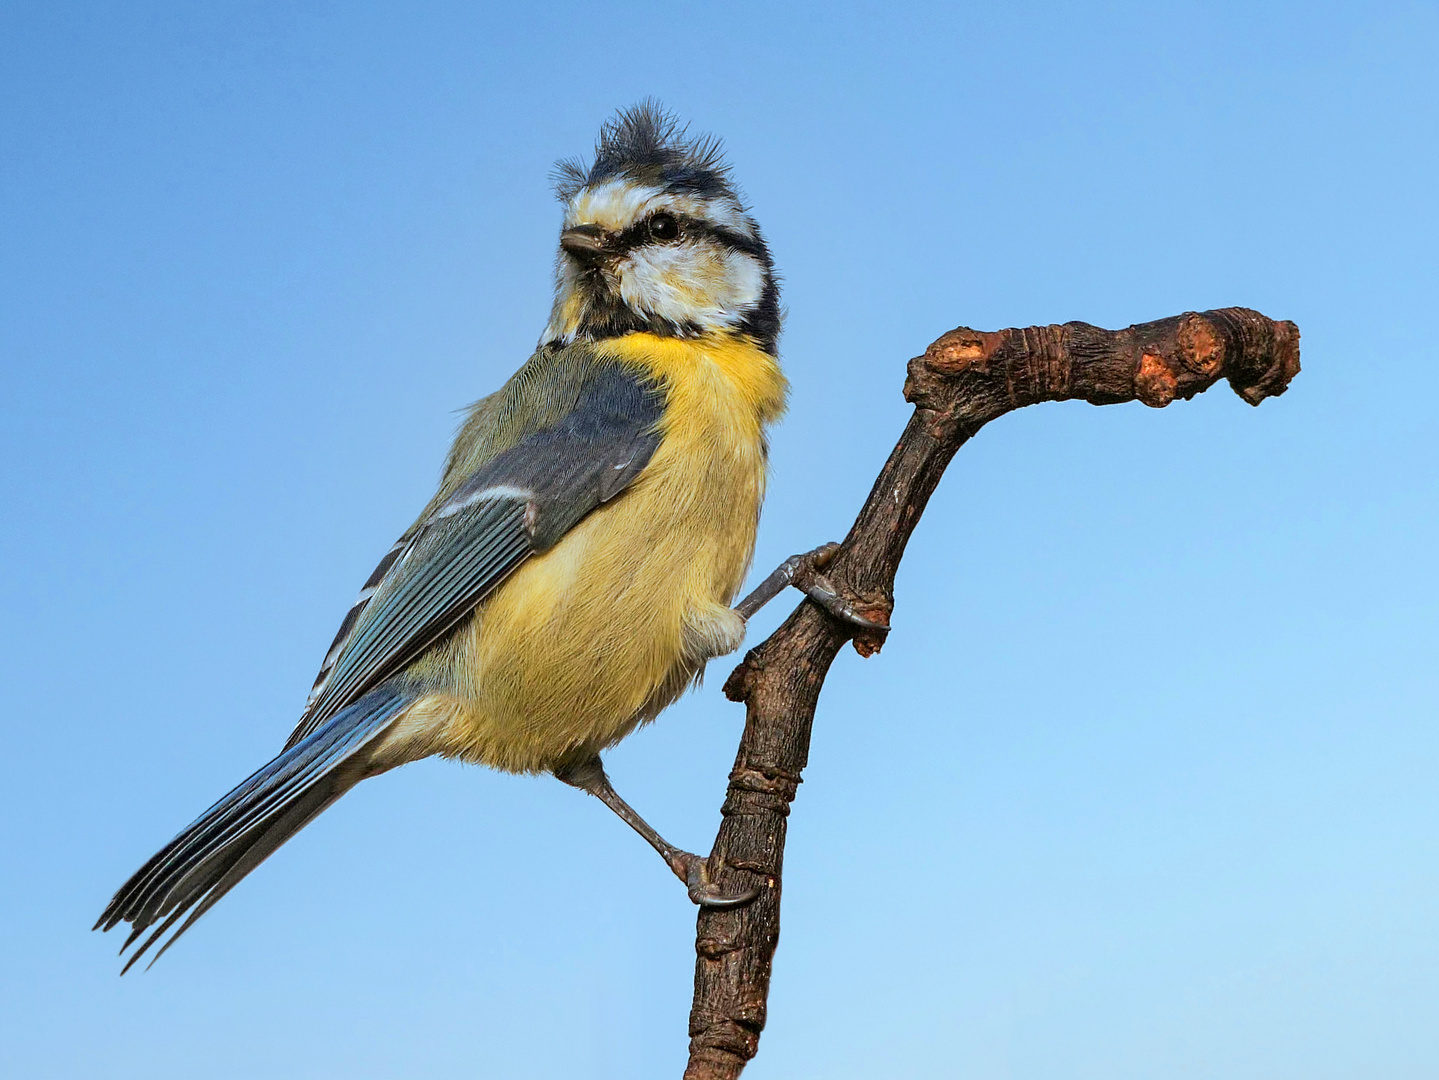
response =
{"points": [[585, 243]]}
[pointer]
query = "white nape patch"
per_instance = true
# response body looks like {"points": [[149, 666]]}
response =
{"points": [[617, 204], [499, 491], [704, 283]]}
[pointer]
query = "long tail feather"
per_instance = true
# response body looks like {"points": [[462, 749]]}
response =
{"points": [[227, 841]]}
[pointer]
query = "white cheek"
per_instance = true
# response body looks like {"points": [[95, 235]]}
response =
{"points": [[691, 283], [745, 280], [649, 278]]}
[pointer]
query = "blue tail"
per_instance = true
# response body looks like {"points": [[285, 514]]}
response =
{"points": [[240, 831]]}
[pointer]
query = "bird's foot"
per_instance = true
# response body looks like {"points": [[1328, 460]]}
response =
{"points": [[694, 871], [805, 573]]}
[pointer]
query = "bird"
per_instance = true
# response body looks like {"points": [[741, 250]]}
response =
{"points": [[575, 570]]}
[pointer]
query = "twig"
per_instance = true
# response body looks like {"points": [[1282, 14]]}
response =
{"points": [[964, 380]]}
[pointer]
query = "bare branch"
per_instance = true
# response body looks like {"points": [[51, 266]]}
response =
{"points": [[964, 380]]}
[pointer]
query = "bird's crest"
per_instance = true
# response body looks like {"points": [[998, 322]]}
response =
{"points": [[650, 146]]}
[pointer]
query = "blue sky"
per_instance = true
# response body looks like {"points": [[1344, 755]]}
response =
{"points": [[1143, 784]]}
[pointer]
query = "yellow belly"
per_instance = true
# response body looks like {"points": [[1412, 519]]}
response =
{"points": [[589, 640]]}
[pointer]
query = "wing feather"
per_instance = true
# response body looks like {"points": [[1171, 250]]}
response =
{"points": [[521, 501]]}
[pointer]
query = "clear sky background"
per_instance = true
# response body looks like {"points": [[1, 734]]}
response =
{"points": [[1146, 782]]}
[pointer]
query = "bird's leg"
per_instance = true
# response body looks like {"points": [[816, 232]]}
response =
{"points": [[589, 775], [803, 572]]}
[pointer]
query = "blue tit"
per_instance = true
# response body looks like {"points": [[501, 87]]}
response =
{"points": [[575, 569]]}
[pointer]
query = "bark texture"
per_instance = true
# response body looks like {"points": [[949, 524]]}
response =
{"points": [[964, 380]]}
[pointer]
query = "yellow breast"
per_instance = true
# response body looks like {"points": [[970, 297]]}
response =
{"points": [[586, 641]]}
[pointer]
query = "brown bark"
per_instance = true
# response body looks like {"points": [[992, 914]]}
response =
{"points": [[964, 380]]}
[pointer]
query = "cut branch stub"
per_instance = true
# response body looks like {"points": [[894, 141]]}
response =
{"points": [[964, 380]]}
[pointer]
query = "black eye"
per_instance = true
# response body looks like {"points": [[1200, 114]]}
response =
{"points": [[664, 227]]}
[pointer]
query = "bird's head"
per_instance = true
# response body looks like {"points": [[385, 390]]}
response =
{"points": [[656, 239]]}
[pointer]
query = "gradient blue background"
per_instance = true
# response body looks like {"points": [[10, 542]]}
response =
{"points": [[1146, 783]]}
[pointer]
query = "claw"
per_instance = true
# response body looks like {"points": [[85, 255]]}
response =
{"points": [[694, 872], [823, 593]]}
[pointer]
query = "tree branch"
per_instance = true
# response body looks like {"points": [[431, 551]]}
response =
{"points": [[964, 380]]}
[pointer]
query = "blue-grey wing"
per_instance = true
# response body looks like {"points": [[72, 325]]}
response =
{"points": [[520, 502]]}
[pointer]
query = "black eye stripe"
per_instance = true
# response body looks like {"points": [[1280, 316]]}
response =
{"points": [[736, 241], [638, 234]]}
